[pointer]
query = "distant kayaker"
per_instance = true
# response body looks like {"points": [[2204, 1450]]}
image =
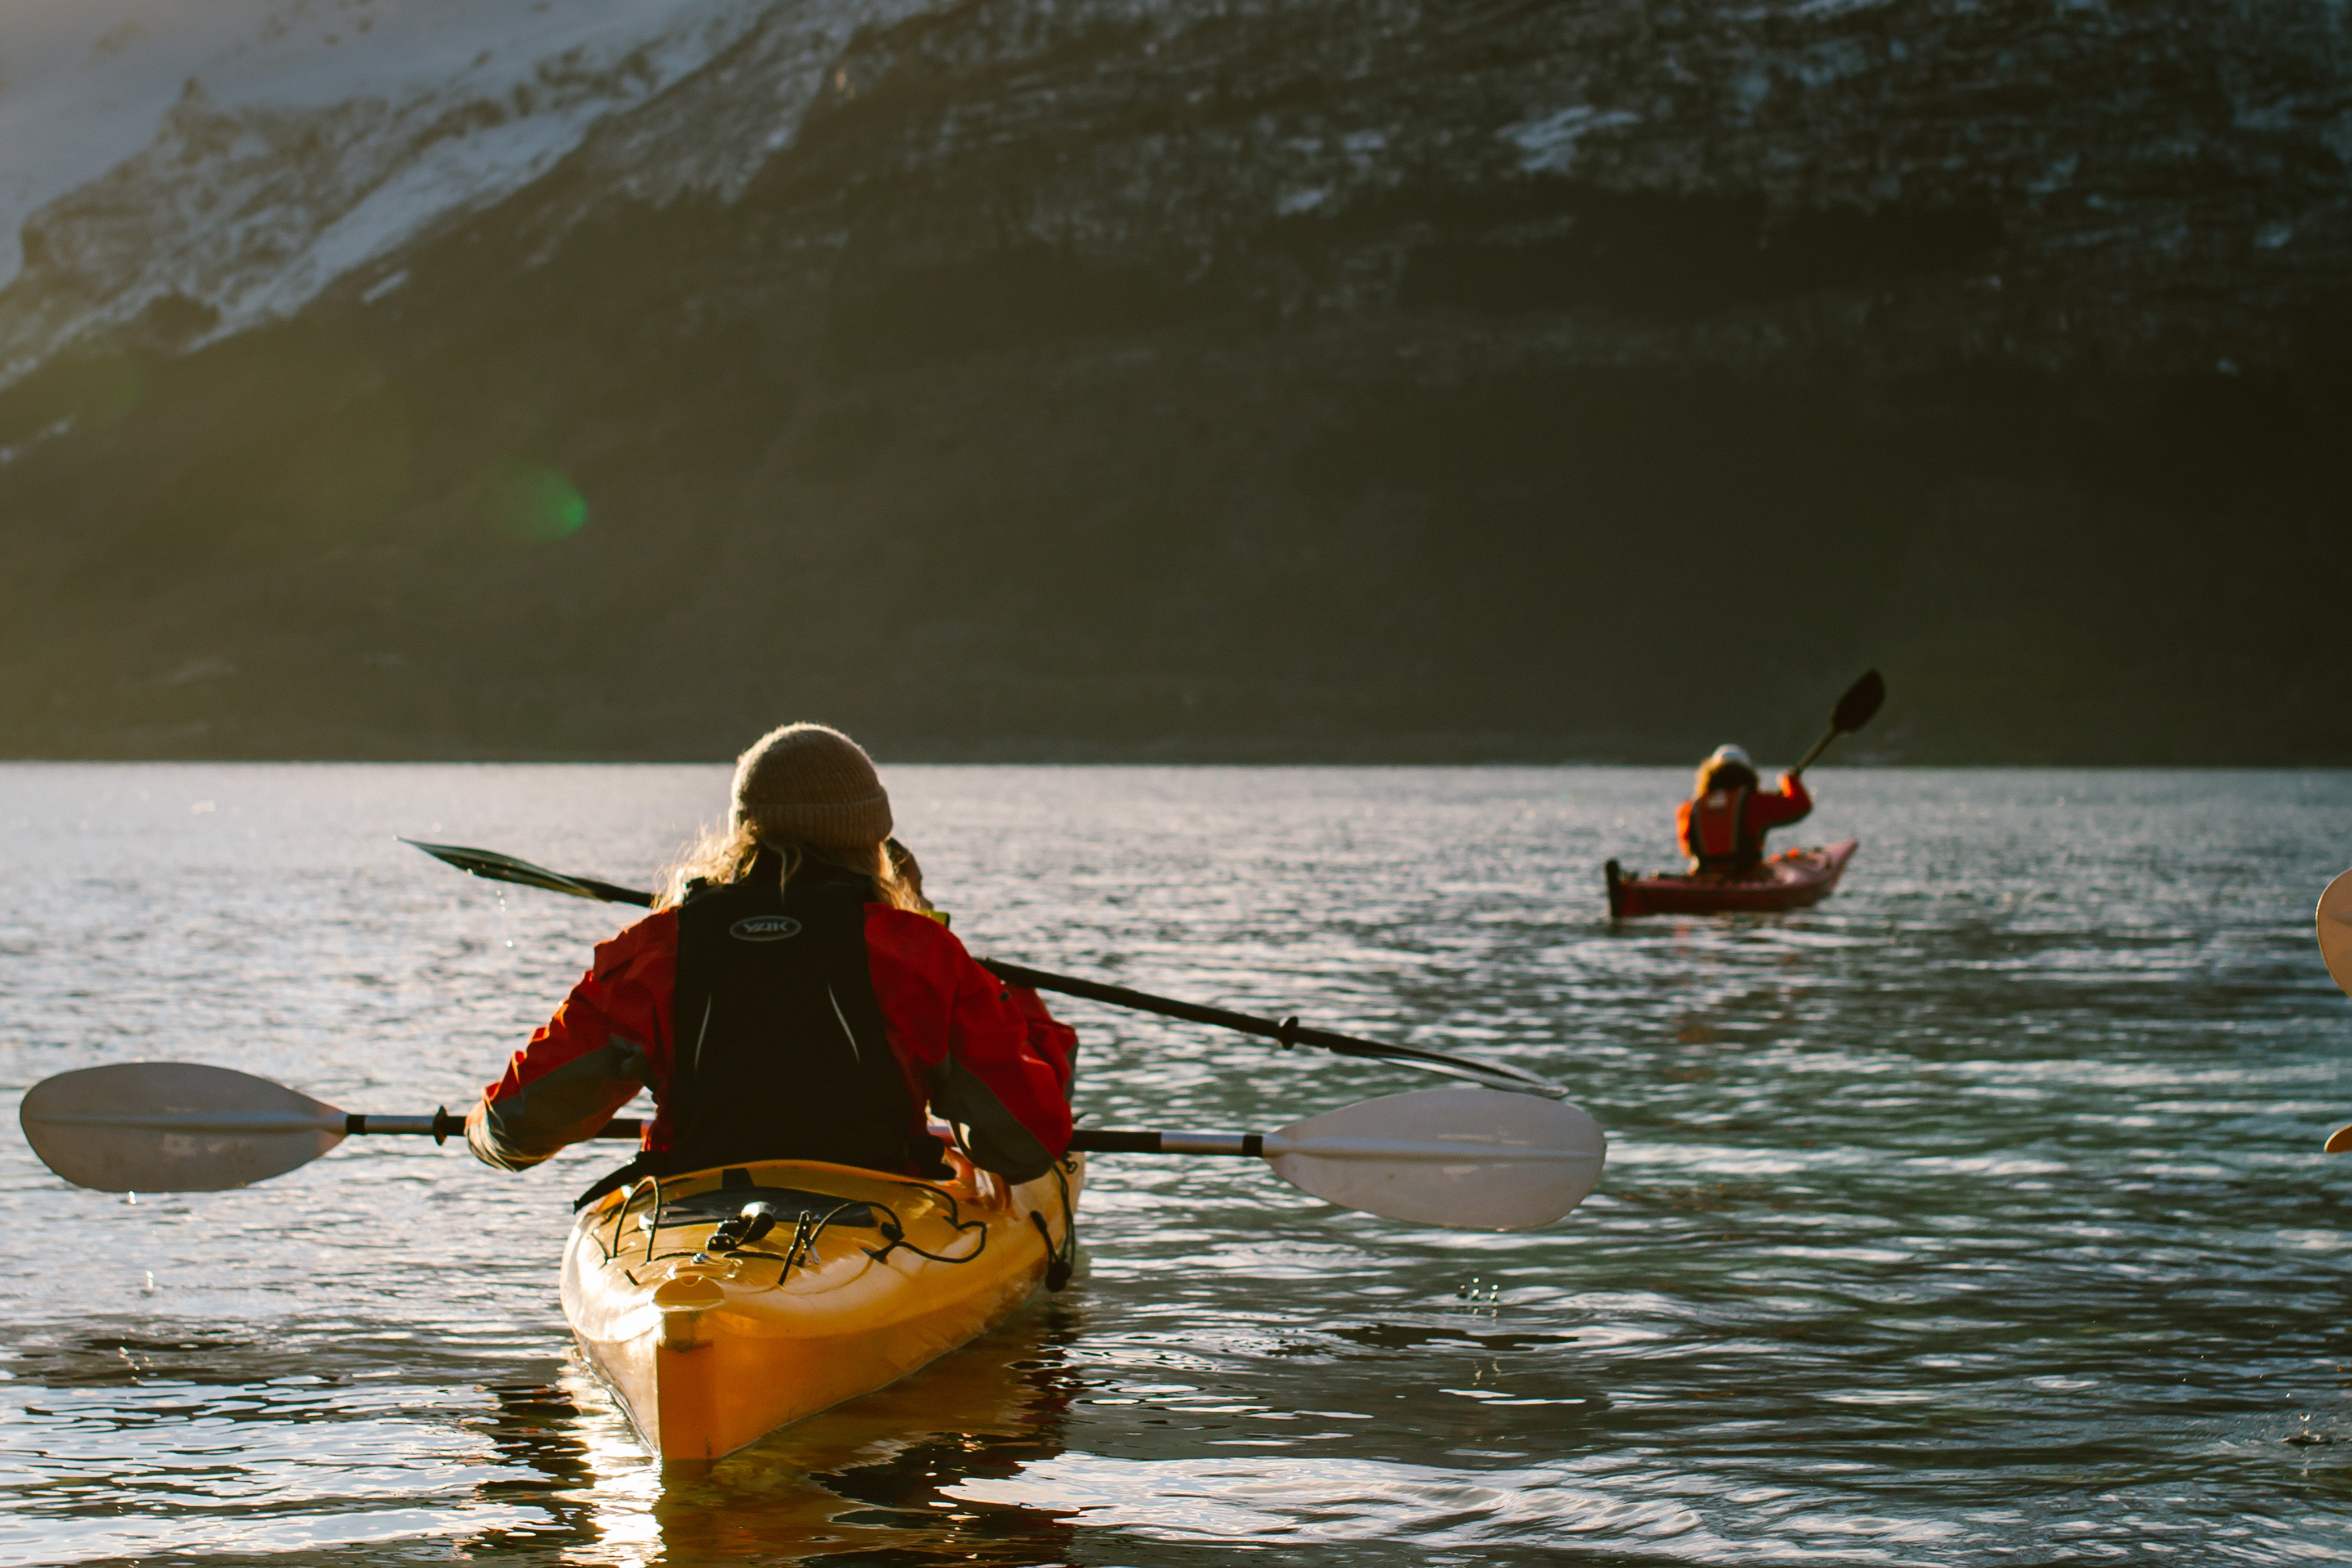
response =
{"points": [[793, 997], [1722, 826]]}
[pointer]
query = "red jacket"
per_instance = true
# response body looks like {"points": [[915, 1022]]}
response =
{"points": [[1705, 825], [612, 1036]]}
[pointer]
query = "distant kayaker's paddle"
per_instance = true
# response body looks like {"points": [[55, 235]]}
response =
{"points": [[1467, 1158], [2334, 922], [1285, 1032], [1858, 707]]}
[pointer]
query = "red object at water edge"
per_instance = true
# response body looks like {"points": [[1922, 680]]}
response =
{"points": [[1790, 881]]}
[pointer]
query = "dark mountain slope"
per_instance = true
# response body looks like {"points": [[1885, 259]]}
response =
{"points": [[1288, 381]]}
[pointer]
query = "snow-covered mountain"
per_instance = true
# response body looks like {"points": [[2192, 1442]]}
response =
{"points": [[201, 166], [1184, 378], [233, 156]]}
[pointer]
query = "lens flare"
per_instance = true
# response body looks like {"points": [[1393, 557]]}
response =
{"points": [[531, 503]]}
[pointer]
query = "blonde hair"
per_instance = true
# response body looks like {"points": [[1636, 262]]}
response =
{"points": [[725, 854]]}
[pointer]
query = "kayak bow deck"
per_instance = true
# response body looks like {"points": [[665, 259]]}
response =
{"points": [[1792, 880], [714, 1330]]}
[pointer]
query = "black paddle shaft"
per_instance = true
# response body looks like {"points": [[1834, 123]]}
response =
{"points": [[1856, 708], [1286, 1032], [1084, 1140]]}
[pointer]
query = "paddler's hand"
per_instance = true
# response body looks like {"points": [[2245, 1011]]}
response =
{"points": [[487, 1147], [477, 1129]]}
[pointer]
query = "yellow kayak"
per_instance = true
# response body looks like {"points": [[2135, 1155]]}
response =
{"points": [[722, 1304]]}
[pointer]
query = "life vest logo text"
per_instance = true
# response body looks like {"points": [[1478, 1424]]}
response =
{"points": [[764, 928]]}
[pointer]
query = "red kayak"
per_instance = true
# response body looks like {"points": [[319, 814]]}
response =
{"points": [[1787, 882]]}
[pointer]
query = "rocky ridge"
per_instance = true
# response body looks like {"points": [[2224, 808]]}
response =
{"points": [[1272, 380]]}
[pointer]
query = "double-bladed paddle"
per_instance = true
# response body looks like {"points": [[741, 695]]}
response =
{"points": [[1858, 707], [1286, 1032], [1467, 1158]]}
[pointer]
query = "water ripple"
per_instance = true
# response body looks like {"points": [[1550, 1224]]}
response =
{"points": [[1972, 1218]]}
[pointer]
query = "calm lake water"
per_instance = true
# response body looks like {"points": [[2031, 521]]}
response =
{"points": [[1974, 1218]]}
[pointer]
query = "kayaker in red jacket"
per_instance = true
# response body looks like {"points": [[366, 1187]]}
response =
{"points": [[1722, 826], [793, 998]]}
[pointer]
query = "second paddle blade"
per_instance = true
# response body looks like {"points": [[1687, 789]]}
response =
{"points": [[1476, 1158], [2335, 931], [172, 1127]]}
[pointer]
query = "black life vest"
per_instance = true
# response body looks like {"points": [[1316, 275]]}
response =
{"points": [[1718, 836], [777, 1041], [778, 1046]]}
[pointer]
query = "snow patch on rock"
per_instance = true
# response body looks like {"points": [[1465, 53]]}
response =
{"points": [[1547, 146], [242, 154]]}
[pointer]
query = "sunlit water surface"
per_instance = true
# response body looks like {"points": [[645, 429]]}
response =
{"points": [[1974, 1218]]}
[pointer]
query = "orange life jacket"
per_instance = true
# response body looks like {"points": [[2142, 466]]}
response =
{"points": [[1718, 834]]}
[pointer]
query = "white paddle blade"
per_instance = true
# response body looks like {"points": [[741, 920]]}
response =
{"points": [[2335, 931], [1476, 1158], [172, 1127]]}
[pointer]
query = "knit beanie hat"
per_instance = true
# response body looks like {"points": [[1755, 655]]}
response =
{"points": [[809, 784]]}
